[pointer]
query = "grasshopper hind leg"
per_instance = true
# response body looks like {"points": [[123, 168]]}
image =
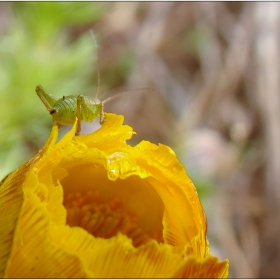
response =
{"points": [[79, 101], [91, 115], [102, 117]]}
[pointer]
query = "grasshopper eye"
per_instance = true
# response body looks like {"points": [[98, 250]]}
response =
{"points": [[52, 111]]}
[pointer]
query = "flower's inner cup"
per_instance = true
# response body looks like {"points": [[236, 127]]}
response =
{"points": [[103, 207]]}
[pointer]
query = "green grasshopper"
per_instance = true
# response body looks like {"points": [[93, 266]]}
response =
{"points": [[65, 110]]}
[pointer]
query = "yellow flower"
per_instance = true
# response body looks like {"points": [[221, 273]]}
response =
{"points": [[93, 206]]}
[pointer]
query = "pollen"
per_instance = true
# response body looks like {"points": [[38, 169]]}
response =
{"points": [[104, 218]]}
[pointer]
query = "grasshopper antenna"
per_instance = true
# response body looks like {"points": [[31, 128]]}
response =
{"points": [[98, 71], [126, 91]]}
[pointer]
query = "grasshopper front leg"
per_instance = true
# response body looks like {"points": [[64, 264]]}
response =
{"points": [[47, 99]]}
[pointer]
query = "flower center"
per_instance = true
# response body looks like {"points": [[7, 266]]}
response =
{"points": [[105, 218]]}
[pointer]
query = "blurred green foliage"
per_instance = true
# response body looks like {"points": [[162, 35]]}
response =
{"points": [[36, 47]]}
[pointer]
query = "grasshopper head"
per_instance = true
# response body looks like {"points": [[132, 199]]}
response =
{"points": [[53, 111]]}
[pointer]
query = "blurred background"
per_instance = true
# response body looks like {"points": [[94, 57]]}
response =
{"points": [[213, 71]]}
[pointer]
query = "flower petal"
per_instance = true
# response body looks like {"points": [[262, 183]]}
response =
{"points": [[112, 133], [118, 258], [177, 192], [34, 254], [11, 198], [210, 267]]}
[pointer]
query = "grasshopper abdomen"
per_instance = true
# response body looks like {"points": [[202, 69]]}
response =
{"points": [[64, 111]]}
